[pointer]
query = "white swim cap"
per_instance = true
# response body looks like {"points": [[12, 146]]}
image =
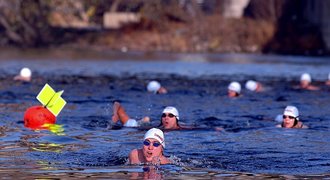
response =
{"points": [[306, 77], [155, 134], [291, 111], [251, 85], [131, 123], [25, 72], [235, 86], [172, 110], [153, 86]]}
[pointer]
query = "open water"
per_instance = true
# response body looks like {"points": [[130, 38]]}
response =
{"points": [[249, 146]]}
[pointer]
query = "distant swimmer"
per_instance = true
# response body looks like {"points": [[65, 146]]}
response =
{"points": [[156, 88], [234, 89], [328, 81], [291, 118], [152, 151], [24, 75], [169, 118], [253, 86], [119, 114], [305, 82]]}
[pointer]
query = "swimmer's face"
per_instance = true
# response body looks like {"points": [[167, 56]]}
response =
{"points": [[152, 149], [288, 121], [304, 83], [259, 88], [169, 121], [232, 93], [162, 90]]}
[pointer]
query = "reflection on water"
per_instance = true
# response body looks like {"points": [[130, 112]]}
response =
{"points": [[55, 128], [48, 147], [135, 173], [249, 146]]}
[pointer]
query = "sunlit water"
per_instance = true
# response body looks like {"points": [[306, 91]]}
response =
{"points": [[249, 146]]}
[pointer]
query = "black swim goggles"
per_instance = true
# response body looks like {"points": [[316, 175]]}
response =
{"points": [[155, 144], [290, 117], [169, 115]]}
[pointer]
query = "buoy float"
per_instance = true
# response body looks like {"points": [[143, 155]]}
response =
{"points": [[44, 117], [36, 117]]}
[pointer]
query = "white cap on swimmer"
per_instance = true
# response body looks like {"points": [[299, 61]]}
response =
{"points": [[172, 110], [291, 111], [235, 86], [306, 77], [155, 134], [25, 72], [153, 86], [251, 85]]}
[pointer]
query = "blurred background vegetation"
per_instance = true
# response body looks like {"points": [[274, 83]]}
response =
{"points": [[249, 26]]}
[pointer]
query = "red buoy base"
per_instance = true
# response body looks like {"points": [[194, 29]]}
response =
{"points": [[36, 116]]}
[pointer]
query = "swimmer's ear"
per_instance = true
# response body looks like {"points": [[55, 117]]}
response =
{"points": [[297, 118]]}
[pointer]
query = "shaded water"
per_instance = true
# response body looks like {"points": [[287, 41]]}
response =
{"points": [[250, 146]]}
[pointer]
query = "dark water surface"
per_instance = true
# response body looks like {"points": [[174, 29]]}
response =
{"points": [[250, 146]]}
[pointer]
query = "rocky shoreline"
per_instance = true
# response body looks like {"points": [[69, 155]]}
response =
{"points": [[161, 27]]}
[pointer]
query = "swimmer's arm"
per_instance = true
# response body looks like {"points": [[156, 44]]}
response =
{"points": [[134, 157], [313, 88]]}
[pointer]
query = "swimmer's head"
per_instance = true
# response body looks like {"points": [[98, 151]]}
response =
{"points": [[157, 134], [235, 86], [291, 111], [172, 110], [25, 72], [306, 77], [153, 86], [251, 85]]}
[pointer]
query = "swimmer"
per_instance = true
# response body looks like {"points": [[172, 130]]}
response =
{"points": [[152, 151], [156, 88], [305, 82], [234, 89], [119, 114], [253, 86], [291, 118], [169, 118], [24, 75]]}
